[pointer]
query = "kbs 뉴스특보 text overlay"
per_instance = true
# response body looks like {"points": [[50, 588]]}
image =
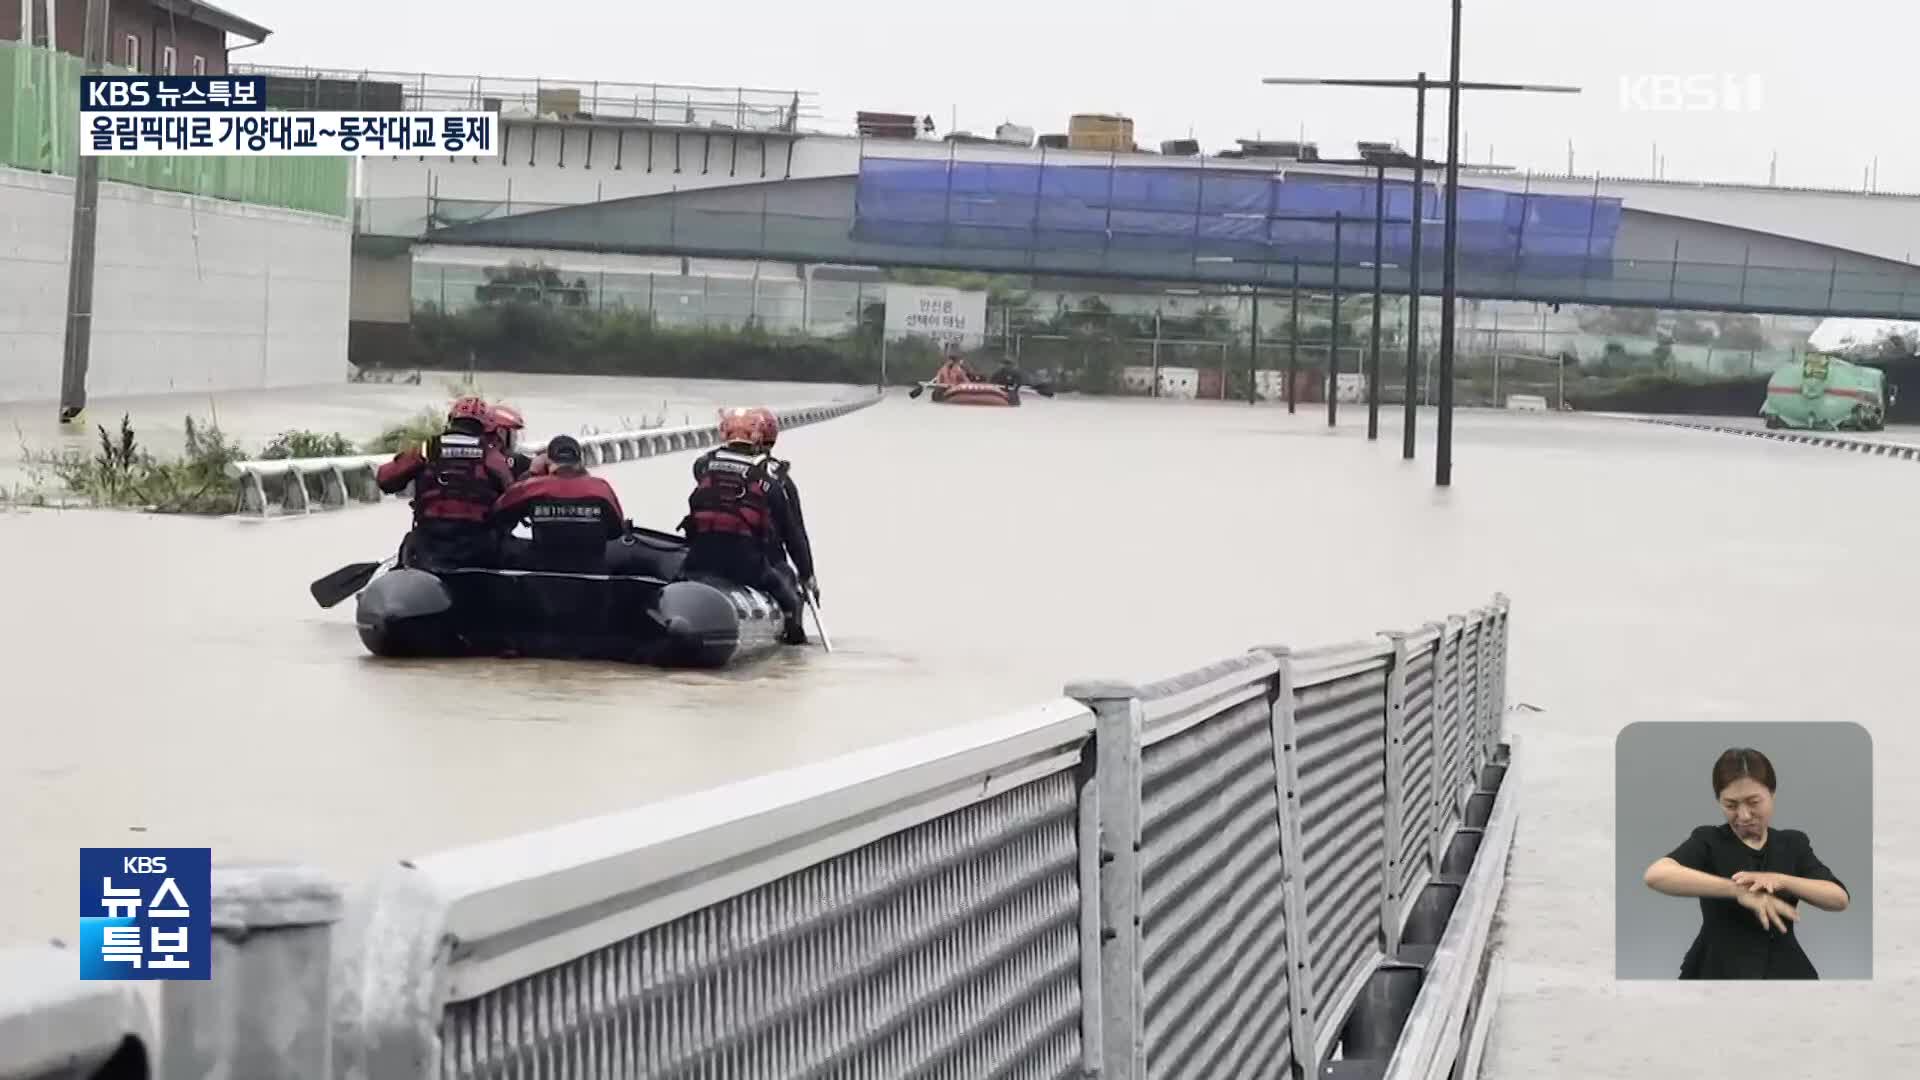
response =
{"points": [[173, 93], [146, 913]]}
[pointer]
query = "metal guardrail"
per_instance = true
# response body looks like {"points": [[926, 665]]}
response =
{"points": [[54, 1025], [344, 480], [665, 104], [1277, 861], [1810, 438]]}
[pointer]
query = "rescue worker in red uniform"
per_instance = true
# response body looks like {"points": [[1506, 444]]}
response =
{"points": [[456, 477], [954, 370], [572, 513], [505, 424], [770, 434], [742, 525]]}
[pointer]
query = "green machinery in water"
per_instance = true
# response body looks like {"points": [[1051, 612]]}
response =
{"points": [[1824, 392]]}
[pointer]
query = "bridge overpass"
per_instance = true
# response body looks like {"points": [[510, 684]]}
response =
{"points": [[795, 197]]}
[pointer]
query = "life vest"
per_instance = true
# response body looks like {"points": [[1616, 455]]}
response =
{"points": [[456, 484], [569, 510], [733, 496]]}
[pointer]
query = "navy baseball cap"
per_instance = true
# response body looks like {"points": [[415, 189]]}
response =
{"points": [[564, 450]]}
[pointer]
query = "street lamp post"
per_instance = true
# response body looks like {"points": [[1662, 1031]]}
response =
{"points": [[1373, 355], [1293, 337], [1454, 86], [1410, 406], [1443, 429]]}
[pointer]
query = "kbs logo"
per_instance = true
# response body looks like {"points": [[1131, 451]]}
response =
{"points": [[146, 913], [1698, 92]]}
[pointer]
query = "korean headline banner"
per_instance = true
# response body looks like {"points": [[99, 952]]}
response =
{"points": [[288, 134]]}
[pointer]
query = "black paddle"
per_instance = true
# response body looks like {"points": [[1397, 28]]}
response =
{"points": [[918, 390], [344, 582]]}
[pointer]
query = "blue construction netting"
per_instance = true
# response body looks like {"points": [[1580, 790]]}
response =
{"points": [[1237, 213]]}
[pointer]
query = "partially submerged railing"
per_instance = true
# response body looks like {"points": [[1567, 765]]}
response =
{"points": [[301, 485], [1870, 447], [1281, 860]]}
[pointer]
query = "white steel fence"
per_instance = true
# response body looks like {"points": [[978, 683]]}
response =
{"points": [[1277, 862]]}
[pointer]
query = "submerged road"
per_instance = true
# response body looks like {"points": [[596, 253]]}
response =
{"points": [[171, 682]]}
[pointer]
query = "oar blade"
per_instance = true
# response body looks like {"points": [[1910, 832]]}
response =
{"points": [[342, 583]]}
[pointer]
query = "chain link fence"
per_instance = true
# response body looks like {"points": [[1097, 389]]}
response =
{"points": [[1187, 344]]}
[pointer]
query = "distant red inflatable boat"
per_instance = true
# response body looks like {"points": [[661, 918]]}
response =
{"points": [[976, 393]]}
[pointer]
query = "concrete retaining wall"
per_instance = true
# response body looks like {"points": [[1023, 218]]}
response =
{"points": [[190, 294]]}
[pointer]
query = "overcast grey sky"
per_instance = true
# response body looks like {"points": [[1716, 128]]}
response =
{"points": [[1833, 79]]}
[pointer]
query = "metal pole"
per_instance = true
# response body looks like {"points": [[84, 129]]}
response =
{"points": [[1154, 390], [1333, 334], [1443, 450], [1293, 338], [1496, 359], [1373, 359], [1411, 409], [1253, 353], [78, 345]]}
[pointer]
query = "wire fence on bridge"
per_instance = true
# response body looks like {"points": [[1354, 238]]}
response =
{"points": [[663, 104]]}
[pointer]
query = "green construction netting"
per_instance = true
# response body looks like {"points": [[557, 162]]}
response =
{"points": [[39, 131]]}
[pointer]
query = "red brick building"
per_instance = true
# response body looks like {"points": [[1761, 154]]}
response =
{"points": [[159, 37]]}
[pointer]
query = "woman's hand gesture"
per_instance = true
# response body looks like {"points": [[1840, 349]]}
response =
{"points": [[1762, 881], [1774, 913]]}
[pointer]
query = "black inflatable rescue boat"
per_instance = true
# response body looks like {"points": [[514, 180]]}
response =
{"points": [[636, 612]]}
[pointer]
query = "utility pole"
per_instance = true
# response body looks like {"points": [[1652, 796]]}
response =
{"points": [[1409, 405], [86, 203], [1443, 446]]}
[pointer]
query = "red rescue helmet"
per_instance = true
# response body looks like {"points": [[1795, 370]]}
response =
{"points": [[739, 427], [505, 421], [767, 425], [470, 413]]}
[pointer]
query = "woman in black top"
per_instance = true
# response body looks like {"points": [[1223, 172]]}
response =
{"points": [[1749, 878]]}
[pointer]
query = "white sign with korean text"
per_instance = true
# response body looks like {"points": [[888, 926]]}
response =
{"points": [[938, 312]]}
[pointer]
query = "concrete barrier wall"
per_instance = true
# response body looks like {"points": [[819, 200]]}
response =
{"points": [[190, 293]]}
